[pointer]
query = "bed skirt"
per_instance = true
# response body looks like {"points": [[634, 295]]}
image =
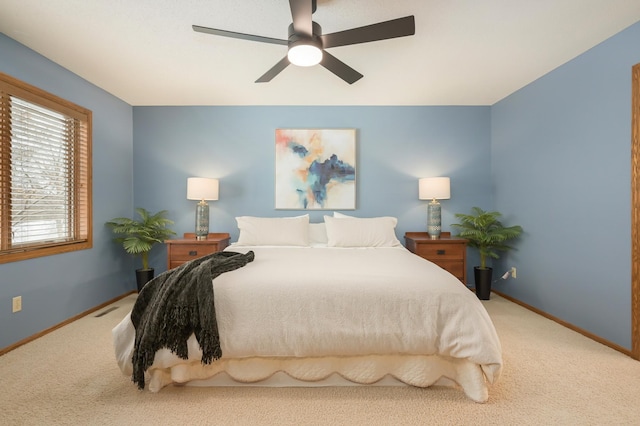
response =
{"points": [[380, 370]]}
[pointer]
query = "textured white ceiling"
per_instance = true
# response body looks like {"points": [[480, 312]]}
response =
{"points": [[465, 52]]}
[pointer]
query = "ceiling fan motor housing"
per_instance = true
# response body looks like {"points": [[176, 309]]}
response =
{"points": [[314, 39]]}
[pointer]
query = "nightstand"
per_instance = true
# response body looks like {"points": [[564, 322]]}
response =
{"points": [[180, 251], [448, 252]]}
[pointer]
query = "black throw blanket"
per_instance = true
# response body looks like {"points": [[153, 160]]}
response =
{"points": [[176, 304]]}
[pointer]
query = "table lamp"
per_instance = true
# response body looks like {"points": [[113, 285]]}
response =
{"points": [[434, 189], [202, 189]]}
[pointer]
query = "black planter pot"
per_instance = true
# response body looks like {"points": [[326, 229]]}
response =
{"points": [[483, 282], [143, 276]]}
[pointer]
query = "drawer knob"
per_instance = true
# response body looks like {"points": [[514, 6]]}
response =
{"points": [[193, 253], [440, 252]]}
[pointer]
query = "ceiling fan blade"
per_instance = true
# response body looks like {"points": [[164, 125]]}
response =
{"points": [[381, 31], [339, 68], [275, 70], [242, 36], [301, 11]]}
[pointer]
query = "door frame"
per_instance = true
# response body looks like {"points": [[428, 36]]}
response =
{"points": [[635, 212]]}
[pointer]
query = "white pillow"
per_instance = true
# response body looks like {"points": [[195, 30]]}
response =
{"points": [[365, 232], [317, 233], [273, 231]]}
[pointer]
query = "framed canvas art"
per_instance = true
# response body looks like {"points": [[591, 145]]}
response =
{"points": [[316, 169]]}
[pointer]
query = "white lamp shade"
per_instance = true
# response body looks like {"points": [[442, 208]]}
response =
{"points": [[438, 188], [202, 188]]}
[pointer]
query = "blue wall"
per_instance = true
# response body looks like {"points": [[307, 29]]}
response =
{"points": [[395, 147], [554, 157], [56, 288], [561, 152]]}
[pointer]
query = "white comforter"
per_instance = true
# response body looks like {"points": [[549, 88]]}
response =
{"points": [[336, 302]]}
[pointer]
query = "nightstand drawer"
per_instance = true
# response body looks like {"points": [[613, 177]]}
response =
{"points": [[182, 252], [441, 251], [449, 253]]}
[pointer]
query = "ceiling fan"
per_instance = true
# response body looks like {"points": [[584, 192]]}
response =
{"points": [[306, 43]]}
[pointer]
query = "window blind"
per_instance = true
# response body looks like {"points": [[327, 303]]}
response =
{"points": [[44, 173]]}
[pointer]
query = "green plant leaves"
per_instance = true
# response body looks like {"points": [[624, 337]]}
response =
{"points": [[485, 232], [139, 236]]}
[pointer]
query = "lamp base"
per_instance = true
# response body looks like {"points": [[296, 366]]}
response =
{"points": [[434, 221], [202, 220]]}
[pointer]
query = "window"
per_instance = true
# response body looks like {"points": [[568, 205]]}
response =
{"points": [[45, 173]]}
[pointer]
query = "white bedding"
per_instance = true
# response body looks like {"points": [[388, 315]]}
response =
{"points": [[364, 313]]}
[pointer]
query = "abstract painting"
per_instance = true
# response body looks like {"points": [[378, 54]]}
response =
{"points": [[316, 169]]}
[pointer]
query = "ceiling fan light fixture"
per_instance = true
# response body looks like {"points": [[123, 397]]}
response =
{"points": [[304, 54]]}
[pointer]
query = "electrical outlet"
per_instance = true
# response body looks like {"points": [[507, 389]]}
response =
{"points": [[513, 272], [17, 304]]}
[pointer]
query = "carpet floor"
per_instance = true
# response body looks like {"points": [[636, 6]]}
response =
{"points": [[551, 375]]}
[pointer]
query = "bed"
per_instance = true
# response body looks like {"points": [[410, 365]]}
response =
{"points": [[342, 302]]}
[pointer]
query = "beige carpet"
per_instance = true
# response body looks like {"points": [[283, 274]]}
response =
{"points": [[552, 376]]}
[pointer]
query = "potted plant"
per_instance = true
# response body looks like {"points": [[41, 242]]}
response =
{"points": [[139, 236], [486, 233]]}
